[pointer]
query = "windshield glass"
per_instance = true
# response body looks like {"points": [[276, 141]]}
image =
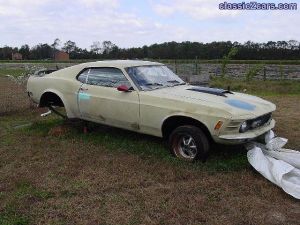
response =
{"points": [[153, 77]]}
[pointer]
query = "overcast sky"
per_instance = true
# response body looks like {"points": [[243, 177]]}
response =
{"points": [[136, 23]]}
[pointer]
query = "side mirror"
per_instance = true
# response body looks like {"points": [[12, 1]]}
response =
{"points": [[123, 88]]}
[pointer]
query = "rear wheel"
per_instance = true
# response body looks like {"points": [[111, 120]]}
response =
{"points": [[189, 143]]}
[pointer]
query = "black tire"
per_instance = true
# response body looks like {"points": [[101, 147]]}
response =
{"points": [[182, 141]]}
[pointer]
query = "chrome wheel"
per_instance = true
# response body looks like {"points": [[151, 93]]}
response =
{"points": [[189, 143], [186, 147]]}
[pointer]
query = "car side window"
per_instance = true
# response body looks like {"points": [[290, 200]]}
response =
{"points": [[83, 76], [107, 77]]}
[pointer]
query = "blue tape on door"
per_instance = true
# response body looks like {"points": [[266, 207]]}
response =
{"points": [[84, 96]]}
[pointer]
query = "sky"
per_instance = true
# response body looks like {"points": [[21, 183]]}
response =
{"points": [[136, 23]]}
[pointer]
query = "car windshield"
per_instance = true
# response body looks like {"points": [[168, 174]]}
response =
{"points": [[153, 77]]}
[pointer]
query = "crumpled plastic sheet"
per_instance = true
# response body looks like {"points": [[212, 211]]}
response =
{"points": [[279, 165]]}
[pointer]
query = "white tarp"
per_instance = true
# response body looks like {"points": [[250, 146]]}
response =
{"points": [[280, 166]]}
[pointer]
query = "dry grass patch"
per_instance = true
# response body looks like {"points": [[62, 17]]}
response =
{"points": [[287, 116], [13, 97], [51, 180]]}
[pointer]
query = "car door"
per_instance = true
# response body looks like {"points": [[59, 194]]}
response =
{"points": [[100, 101]]}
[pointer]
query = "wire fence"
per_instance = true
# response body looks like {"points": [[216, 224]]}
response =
{"points": [[255, 71], [188, 68]]}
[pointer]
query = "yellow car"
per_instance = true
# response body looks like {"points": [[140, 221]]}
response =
{"points": [[149, 98]]}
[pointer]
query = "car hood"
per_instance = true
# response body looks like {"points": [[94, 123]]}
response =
{"points": [[232, 102]]}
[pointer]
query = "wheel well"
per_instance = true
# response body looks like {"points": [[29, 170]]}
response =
{"points": [[49, 98], [173, 122]]}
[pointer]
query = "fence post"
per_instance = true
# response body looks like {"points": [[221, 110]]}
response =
{"points": [[175, 66], [265, 75], [196, 65]]}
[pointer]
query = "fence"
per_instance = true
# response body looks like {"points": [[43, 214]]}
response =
{"points": [[269, 72]]}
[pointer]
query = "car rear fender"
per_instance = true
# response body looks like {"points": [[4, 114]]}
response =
{"points": [[68, 109]]}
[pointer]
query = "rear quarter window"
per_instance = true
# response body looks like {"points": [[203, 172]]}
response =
{"points": [[82, 77]]}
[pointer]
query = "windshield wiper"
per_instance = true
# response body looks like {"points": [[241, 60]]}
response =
{"points": [[176, 82], [154, 84], [173, 81]]}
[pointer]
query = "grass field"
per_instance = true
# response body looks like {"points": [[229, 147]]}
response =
{"points": [[52, 173], [259, 87], [12, 71]]}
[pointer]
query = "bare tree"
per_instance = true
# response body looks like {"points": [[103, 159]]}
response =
{"points": [[56, 43], [107, 47], [96, 47], [69, 46]]}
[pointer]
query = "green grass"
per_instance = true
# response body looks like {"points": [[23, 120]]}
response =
{"points": [[10, 214], [147, 147], [258, 87], [113, 141], [12, 71], [26, 190]]}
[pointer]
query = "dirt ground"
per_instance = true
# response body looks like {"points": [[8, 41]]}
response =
{"points": [[61, 177]]}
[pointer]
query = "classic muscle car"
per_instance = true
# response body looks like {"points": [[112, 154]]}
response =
{"points": [[147, 97]]}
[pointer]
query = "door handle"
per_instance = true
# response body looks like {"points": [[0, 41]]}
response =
{"points": [[83, 89]]}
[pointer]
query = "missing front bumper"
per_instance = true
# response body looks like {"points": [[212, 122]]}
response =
{"points": [[241, 138]]}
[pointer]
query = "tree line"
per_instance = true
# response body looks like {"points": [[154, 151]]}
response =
{"points": [[271, 50]]}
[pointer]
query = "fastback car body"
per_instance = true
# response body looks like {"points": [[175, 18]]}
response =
{"points": [[113, 93]]}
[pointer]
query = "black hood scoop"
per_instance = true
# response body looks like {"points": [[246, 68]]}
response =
{"points": [[213, 91]]}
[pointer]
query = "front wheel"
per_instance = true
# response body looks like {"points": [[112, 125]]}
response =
{"points": [[189, 143]]}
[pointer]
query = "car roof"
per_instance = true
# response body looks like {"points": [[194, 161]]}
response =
{"points": [[120, 63]]}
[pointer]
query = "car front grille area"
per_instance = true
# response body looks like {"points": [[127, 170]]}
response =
{"points": [[259, 121]]}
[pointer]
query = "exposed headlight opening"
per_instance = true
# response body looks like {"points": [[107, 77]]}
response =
{"points": [[244, 127], [255, 123]]}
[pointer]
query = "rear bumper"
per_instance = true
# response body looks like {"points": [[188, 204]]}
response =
{"points": [[240, 138]]}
